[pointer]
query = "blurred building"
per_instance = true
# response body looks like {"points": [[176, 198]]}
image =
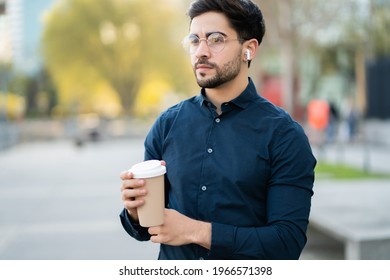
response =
{"points": [[21, 25], [5, 42]]}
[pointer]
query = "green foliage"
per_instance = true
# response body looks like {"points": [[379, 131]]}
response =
{"points": [[38, 92], [378, 29], [116, 41], [340, 171]]}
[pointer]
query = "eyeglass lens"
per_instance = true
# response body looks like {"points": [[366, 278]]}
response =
{"points": [[215, 42]]}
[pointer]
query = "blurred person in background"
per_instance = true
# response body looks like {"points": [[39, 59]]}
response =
{"points": [[333, 123], [240, 170]]}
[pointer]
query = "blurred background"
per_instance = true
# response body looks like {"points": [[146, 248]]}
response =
{"points": [[81, 81]]}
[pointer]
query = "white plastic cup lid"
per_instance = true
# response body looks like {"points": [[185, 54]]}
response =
{"points": [[148, 169]]}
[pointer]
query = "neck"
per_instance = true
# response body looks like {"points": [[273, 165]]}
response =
{"points": [[227, 92]]}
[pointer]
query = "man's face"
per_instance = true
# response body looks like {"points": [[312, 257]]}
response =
{"points": [[213, 69]]}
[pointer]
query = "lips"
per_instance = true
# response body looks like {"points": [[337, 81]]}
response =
{"points": [[203, 65]]}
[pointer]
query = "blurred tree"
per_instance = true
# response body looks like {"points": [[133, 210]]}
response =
{"points": [[378, 28], [117, 41], [48, 92], [38, 92]]}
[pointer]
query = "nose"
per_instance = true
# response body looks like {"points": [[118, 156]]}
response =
{"points": [[203, 49]]}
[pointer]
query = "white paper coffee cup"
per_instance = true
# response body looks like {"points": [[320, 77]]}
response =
{"points": [[151, 213]]}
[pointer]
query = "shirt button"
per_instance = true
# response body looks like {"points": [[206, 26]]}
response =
{"points": [[217, 120], [209, 150], [204, 188]]}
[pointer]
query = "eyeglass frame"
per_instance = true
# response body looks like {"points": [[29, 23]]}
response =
{"points": [[187, 45]]}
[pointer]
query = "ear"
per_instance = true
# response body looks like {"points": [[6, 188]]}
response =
{"points": [[250, 47]]}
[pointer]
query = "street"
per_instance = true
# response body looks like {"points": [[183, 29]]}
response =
{"points": [[59, 201]]}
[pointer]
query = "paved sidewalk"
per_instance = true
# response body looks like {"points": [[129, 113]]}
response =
{"points": [[357, 208]]}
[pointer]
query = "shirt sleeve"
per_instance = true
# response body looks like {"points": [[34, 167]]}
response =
{"points": [[288, 206], [133, 229], [152, 151]]}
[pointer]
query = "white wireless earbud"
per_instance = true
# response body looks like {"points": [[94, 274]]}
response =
{"points": [[248, 54]]}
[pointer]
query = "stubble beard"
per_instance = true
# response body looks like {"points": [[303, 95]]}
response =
{"points": [[224, 74]]}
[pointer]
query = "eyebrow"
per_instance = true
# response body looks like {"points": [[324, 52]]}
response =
{"points": [[209, 33]]}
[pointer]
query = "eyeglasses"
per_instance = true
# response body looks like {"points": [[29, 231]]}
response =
{"points": [[215, 41]]}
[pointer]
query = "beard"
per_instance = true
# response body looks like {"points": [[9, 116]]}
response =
{"points": [[224, 74]]}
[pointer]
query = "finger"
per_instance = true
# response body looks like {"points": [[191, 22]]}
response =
{"points": [[155, 239], [154, 230], [131, 194], [132, 183], [131, 205], [163, 163], [126, 175]]}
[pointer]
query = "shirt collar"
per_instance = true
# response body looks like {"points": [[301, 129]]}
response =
{"points": [[243, 100]]}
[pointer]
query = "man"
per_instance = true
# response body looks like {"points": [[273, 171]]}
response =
{"points": [[240, 171]]}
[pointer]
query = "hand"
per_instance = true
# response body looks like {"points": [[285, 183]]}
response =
{"points": [[179, 229], [131, 189], [132, 192]]}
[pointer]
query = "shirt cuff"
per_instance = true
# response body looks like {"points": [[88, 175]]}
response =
{"points": [[133, 229], [222, 241]]}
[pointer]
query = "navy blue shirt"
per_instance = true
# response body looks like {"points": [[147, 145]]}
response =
{"points": [[248, 171]]}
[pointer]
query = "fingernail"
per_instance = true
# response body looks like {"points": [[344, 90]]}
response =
{"points": [[141, 182]]}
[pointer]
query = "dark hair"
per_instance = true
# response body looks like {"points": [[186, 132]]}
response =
{"points": [[245, 17]]}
